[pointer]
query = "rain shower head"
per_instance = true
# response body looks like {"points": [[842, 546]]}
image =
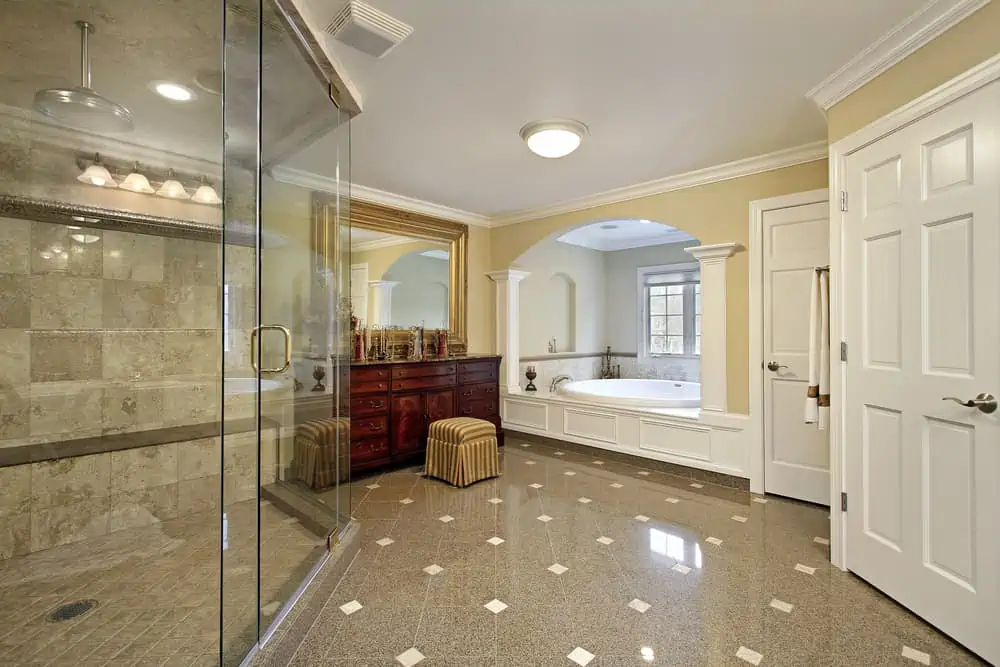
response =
{"points": [[80, 106]]}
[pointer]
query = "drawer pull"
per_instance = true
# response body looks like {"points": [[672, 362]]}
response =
{"points": [[373, 426], [466, 393], [376, 404], [489, 390], [466, 411]]}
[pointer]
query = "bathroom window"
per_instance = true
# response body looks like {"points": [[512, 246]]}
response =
{"points": [[671, 310]]}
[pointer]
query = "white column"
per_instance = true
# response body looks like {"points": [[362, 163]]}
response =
{"points": [[381, 301], [712, 259], [508, 326]]}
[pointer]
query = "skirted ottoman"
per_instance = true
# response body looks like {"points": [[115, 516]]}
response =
{"points": [[315, 462], [462, 451]]}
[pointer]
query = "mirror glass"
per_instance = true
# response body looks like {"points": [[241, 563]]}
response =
{"points": [[399, 281]]}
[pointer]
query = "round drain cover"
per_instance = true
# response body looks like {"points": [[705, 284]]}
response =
{"points": [[72, 610]]}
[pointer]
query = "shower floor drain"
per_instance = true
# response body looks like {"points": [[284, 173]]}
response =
{"points": [[72, 610]]}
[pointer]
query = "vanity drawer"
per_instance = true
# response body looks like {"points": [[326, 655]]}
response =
{"points": [[372, 387], [370, 449], [475, 392], [372, 374], [365, 427], [488, 409], [423, 383], [478, 376], [477, 366], [369, 405], [422, 370]]}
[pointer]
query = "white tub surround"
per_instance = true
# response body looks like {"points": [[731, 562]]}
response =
{"points": [[508, 326], [683, 436], [381, 295], [634, 393], [713, 259]]}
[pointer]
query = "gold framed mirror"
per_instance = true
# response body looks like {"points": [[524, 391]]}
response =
{"points": [[452, 237]]}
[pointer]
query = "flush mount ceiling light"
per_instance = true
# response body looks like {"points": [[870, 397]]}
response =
{"points": [[553, 138], [172, 188], [97, 174], [206, 194], [136, 182], [174, 92]]}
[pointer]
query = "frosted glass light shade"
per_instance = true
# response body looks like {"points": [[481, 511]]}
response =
{"points": [[172, 189], [136, 182], [553, 138], [206, 194], [96, 174]]}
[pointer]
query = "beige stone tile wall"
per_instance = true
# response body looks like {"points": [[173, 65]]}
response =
{"points": [[109, 332], [52, 503]]}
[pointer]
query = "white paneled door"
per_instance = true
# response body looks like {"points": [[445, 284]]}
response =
{"points": [[796, 240], [922, 318]]}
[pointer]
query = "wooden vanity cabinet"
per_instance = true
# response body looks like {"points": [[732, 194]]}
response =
{"points": [[394, 404]]}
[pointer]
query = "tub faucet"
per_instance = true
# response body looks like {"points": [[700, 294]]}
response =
{"points": [[558, 379]]}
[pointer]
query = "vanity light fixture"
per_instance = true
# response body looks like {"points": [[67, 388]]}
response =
{"points": [[553, 138], [172, 188], [174, 92], [206, 194], [136, 182], [97, 174]]}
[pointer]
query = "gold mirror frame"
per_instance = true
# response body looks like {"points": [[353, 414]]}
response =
{"points": [[388, 220]]}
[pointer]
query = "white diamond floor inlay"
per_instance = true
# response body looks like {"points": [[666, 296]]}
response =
{"points": [[822, 540], [805, 569], [496, 606], [644, 473], [598, 463], [350, 607], [536, 485], [581, 656], [639, 605], [560, 454], [782, 606], [385, 541], [714, 540], [585, 500], [760, 501], [749, 655], [737, 517], [556, 568], [525, 445], [616, 485], [673, 501], [696, 485], [433, 569], [406, 501], [495, 501], [495, 541], [915, 655], [545, 518], [372, 487], [681, 567], [410, 657], [641, 517], [269, 609], [569, 473], [447, 518], [605, 540], [530, 463]]}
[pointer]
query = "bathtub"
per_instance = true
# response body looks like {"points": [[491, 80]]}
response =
{"points": [[635, 393]]}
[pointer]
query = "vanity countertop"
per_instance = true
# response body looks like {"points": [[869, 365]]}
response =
{"points": [[465, 357]]}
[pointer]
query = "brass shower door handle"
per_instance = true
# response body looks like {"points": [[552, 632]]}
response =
{"points": [[288, 348]]}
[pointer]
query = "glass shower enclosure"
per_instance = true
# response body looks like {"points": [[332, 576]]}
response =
{"points": [[173, 448]]}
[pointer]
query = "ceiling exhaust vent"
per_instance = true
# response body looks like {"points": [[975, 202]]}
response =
{"points": [[361, 26]]}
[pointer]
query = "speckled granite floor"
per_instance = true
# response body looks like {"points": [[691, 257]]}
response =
{"points": [[570, 560], [157, 590]]}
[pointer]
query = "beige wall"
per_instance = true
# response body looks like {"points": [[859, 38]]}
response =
{"points": [[966, 45], [714, 213], [482, 297]]}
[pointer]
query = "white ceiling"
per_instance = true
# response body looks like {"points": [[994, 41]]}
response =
{"points": [[623, 234], [665, 87]]}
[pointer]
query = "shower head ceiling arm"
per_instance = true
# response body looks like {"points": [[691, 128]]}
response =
{"points": [[86, 30]]}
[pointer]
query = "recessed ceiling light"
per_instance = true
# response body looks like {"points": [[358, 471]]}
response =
{"points": [[172, 91], [553, 138]]}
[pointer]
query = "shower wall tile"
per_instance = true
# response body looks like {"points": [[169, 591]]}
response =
{"points": [[15, 359], [64, 408], [132, 355], [16, 497], [129, 407], [15, 301], [15, 535], [191, 352], [15, 413], [201, 494], [199, 458], [133, 305], [192, 307], [64, 524], [65, 302], [189, 262], [191, 403], [71, 252], [143, 507], [15, 246], [65, 355], [137, 257], [70, 481], [144, 467]]}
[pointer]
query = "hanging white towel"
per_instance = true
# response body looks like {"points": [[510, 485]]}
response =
{"points": [[818, 393]]}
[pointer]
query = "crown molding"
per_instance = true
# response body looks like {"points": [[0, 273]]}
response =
{"points": [[312, 181], [723, 172], [918, 29]]}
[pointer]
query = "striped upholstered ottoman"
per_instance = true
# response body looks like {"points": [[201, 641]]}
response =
{"points": [[462, 451], [316, 456]]}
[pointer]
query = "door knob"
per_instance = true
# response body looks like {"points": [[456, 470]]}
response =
{"points": [[985, 402], [774, 365]]}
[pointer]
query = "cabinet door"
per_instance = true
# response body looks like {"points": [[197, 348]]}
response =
{"points": [[408, 423], [439, 405]]}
